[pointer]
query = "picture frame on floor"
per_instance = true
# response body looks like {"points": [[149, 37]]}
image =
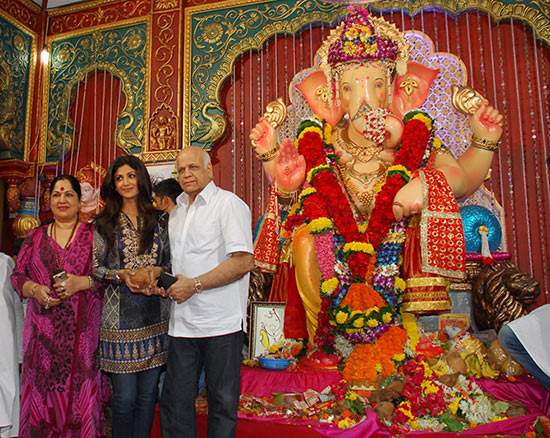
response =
{"points": [[266, 326]]}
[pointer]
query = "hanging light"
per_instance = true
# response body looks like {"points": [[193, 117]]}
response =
{"points": [[45, 56]]}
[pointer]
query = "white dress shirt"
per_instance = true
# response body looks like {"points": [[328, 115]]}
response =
{"points": [[202, 236], [11, 310], [532, 331]]}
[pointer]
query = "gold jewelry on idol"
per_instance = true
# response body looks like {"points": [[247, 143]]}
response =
{"points": [[269, 155], [285, 193], [483, 143], [369, 182], [361, 153]]}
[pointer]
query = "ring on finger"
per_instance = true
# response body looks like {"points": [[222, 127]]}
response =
{"points": [[63, 284]]}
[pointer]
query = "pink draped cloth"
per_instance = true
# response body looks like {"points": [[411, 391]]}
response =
{"points": [[262, 383], [62, 390]]}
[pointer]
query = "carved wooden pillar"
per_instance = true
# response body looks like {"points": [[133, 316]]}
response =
{"points": [[27, 213]]}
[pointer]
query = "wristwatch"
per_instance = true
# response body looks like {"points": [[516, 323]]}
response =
{"points": [[197, 286]]}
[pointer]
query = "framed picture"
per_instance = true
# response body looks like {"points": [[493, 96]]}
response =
{"points": [[454, 324], [266, 326]]}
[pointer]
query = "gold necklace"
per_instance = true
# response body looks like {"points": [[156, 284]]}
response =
{"points": [[361, 153], [365, 196], [364, 178]]}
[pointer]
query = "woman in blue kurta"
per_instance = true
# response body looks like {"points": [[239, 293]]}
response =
{"points": [[131, 241]]}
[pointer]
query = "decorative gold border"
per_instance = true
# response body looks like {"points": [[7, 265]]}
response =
{"points": [[32, 75], [83, 7], [218, 77], [211, 104], [46, 78], [31, 5]]}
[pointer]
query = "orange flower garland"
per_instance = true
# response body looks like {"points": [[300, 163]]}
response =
{"points": [[362, 297], [367, 361]]}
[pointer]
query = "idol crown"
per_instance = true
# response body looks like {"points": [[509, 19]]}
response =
{"points": [[361, 39]]}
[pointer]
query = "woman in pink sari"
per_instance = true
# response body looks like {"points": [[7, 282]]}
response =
{"points": [[62, 389]]}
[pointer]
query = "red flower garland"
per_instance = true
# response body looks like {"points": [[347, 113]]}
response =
{"points": [[415, 139]]}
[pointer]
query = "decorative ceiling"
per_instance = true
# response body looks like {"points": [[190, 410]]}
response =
{"points": [[53, 4]]}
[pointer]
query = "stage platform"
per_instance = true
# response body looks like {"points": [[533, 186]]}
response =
{"points": [[260, 382]]}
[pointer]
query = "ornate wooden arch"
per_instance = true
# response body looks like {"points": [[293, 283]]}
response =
{"points": [[122, 51]]}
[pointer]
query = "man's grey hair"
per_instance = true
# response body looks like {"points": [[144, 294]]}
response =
{"points": [[205, 155], [206, 158]]}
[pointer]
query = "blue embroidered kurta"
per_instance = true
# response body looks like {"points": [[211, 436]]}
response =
{"points": [[134, 326]]}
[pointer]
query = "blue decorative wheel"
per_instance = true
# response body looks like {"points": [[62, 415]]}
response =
{"points": [[474, 217]]}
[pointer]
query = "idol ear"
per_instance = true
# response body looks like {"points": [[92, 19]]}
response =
{"points": [[411, 90], [315, 90]]}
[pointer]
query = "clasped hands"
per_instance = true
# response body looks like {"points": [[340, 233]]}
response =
{"points": [[64, 290], [181, 290], [142, 280]]}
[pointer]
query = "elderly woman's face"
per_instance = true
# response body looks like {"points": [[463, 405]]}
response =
{"points": [[64, 201]]}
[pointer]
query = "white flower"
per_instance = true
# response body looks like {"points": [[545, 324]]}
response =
{"points": [[343, 346]]}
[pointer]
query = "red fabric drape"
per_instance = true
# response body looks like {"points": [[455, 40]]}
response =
{"points": [[97, 105], [505, 63]]}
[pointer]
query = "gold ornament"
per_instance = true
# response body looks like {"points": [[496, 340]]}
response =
{"points": [[483, 143], [466, 99], [360, 153], [275, 112], [22, 224]]}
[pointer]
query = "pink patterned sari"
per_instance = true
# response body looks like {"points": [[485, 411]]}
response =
{"points": [[62, 391]]}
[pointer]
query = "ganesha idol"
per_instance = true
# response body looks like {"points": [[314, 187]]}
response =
{"points": [[374, 222]]}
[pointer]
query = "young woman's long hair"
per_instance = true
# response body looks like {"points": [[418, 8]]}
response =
{"points": [[107, 222]]}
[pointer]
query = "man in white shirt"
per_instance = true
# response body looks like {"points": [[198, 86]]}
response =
{"points": [[212, 254], [526, 339], [11, 328]]}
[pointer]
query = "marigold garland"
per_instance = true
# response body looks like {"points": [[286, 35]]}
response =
{"points": [[353, 307]]}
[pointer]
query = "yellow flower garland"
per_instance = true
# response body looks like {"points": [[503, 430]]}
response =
{"points": [[359, 247], [427, 121], [321, 224], [329, 286], [409, 324]]}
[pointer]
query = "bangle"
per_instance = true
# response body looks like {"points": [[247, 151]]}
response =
{"points": [[483, 143], [269, 155], [286, 194], [92, 283], [197, 285], [33, 289]]}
